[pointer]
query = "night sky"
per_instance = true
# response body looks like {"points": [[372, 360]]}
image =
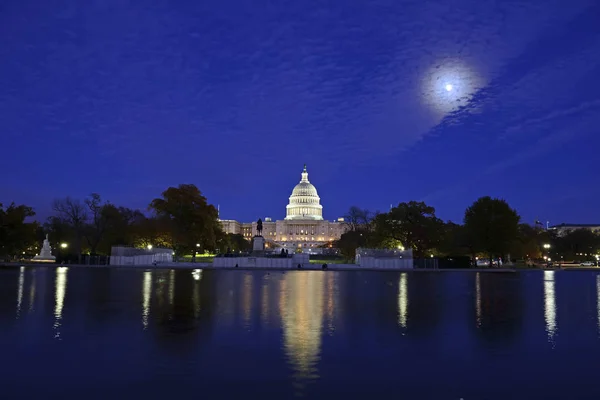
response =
{"points": [[385, 101]]}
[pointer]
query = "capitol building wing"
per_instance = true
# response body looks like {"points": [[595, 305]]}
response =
{"points": [[303, 227]]}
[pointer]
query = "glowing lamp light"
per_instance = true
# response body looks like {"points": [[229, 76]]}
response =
{"points": [[149, 247], [64, 245]]}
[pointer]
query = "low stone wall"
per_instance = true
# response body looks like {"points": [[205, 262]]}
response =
{"points": [[262, 262], [386, 263], [146, 259]]}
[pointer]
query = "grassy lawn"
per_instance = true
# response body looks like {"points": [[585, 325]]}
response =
{"points": [[199, 259], [334, 261]]}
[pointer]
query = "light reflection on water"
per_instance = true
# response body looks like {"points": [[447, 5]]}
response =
{"points": [[146, 297], [20, 291], [403, 300], [310, 330], [247, 298], [301, 309], [60, 293], [478, 298], [550, 305]]}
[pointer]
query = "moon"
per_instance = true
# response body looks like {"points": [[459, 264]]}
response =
{"points": [[449, 84]]}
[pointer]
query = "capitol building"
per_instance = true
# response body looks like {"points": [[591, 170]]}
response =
{"points": [[303, 228]]}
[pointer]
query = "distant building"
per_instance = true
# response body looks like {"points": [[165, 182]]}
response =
{"points": [[303, 227], [563, 229]]}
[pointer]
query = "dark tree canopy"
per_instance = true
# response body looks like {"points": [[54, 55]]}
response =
{"points": [[194, 224], [358, 219], [491, 226], [413, 224], [578, 244], [350, 241], [74, 214], [16, 235]]}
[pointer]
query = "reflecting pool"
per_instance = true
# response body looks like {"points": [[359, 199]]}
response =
{"points": [[99, 333]]}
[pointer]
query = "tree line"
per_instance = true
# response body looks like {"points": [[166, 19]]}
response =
{"points": [[183, 220], [180, 219], [490, 229]]}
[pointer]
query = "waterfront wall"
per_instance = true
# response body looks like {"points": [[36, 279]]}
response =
{"points": [[386, 263], [262, 262], [384, 258], [132, 256]]}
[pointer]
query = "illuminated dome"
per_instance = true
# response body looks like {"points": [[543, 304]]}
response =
{"points": [[304, 201]]}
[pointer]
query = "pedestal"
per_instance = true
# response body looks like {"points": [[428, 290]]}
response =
{"points": [[258, 244]]}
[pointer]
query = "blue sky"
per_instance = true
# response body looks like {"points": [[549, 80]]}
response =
{"points": [[126, 98]]}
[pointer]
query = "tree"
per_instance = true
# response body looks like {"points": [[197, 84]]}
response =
{"points": [[237, 242], [16, 235], [491, 226], [358, 219], [413, 224], [194, 223], [528, 243], [578, 244], [73, 213], [120, 228], [101, 215], [350, 241], [155, 231], [453, 241]]}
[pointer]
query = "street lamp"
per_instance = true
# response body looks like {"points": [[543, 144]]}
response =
{"points": [[64, 245], [149, 247], [547, 246]]}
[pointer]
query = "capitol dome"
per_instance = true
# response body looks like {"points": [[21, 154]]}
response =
{"points": [[304, 201]]}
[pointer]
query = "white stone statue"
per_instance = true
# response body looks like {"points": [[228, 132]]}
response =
{"points": [[46, 252]]}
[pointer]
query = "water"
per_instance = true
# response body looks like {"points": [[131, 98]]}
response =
{"points": [[122, 333]]}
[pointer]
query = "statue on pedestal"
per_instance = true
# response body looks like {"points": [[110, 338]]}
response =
{"points": [[46, 252], [259, 227]]}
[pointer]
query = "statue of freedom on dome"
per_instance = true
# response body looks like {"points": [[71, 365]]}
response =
{"points": [[259, 227]]}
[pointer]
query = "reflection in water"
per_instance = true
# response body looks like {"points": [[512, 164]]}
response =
{"points": [[330, 289], [32, 291], [171, 286], [20, 292], [60, 291], [247, 298], [550, 305], [264, 300], [146, 297], [366, 352], [197, 274], [301, 309], [403, 300], [478, 298], [498, 306]]}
